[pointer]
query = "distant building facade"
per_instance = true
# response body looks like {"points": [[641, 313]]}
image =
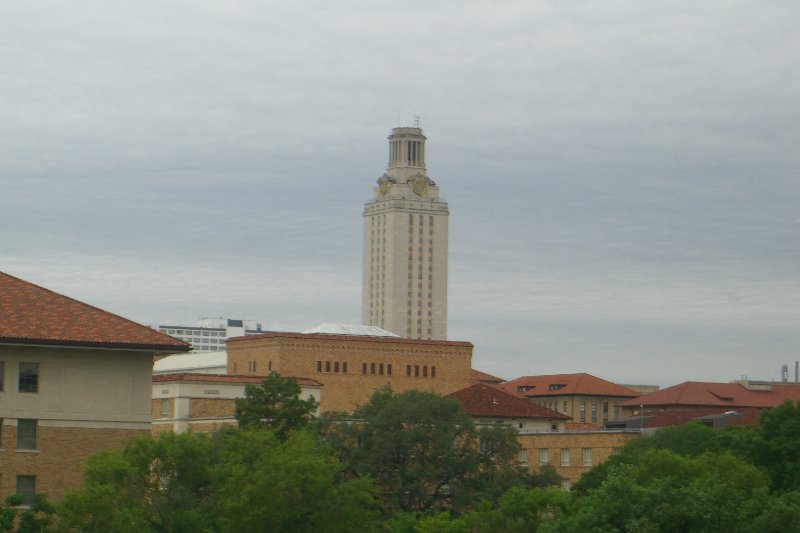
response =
{"points": [[700, 396], [206, 402], [74, 380], [544, 435], [352, 367], [585, 398], [405, 245], [209, 334]]}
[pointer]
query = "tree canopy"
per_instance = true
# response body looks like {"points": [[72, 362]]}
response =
{"points": [[425, 453], [276, 404], [236, 480]]}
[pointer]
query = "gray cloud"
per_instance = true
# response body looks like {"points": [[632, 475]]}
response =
{"points": [[622, 177]]}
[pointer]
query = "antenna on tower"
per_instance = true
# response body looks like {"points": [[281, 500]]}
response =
{"points": [[416, 121]]}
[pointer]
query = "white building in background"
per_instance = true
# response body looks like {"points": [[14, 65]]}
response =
{"points": [[210, 333], [193, 363], [405, 245]]}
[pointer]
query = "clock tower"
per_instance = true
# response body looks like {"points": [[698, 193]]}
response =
{"points": [[405, 245]]}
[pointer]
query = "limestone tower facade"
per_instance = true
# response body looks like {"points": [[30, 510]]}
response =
{"points": [[405, 245]]}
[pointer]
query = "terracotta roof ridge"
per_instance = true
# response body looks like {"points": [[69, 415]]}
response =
{"points": [[79, 302]]}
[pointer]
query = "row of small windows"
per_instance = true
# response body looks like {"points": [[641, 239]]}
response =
{"points": [[582, 412], [334, 366], [252, 366], [544, 456], [195, 332], [376, 369], [27, 379]]}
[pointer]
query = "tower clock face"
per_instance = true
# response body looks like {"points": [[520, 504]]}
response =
{"points": [[419, 185]]}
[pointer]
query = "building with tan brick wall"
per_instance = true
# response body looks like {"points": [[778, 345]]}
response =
{"points": [[571, 452], [352, 367], [206, 402], [74, 380], [543, 434], [585, 398]]}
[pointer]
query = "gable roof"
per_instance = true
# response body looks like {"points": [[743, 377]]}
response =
{"points": [[476, 376], [30, 314], [482, 400], [700, 393], [566, 385]]}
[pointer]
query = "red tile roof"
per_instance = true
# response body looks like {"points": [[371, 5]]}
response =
{"points": [[566, 385], [698, 393], [660, 419], [476, 376], [30, 314], [225, 378], [486, 401]]}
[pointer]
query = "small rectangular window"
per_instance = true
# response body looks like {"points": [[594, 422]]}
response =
{"points": [[336, 366], [29, 377], [416, 371], [327, 366], [389, 369], [425, 371], [523, 457], [380, 369], [587, 457], [363, 368], [26, 487], [582, 411], [344, 367], [544, 456], [372, 368], [408, 370], [564, 456], [26, 434], [433, 371], [164, 408]]}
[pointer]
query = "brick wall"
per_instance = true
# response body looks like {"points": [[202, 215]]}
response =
{"points": [[436, 366], [601, 443], [59, 457]]}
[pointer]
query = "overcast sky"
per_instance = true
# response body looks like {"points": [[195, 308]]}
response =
{"points": [[622, 176]]}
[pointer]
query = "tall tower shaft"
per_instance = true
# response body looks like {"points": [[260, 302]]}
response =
{"points": [[405, 245]]}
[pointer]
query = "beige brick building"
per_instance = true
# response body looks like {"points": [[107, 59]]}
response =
{"points": [[585, 398], [571, 452], [205, 402], [352, 367], [74, 380], [543, 434]]}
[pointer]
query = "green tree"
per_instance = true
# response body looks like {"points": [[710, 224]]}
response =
{"points": [[156, 484], [777, 445], [264, 483], [425, 453], [234, 480], [666, 492], [36, 518], [276, 404], [691, 439]]}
